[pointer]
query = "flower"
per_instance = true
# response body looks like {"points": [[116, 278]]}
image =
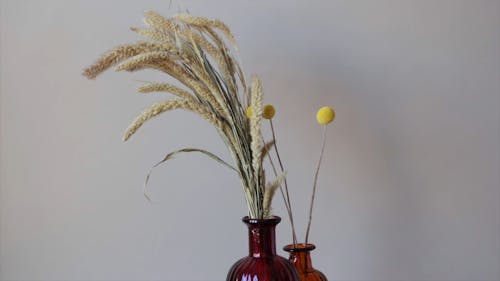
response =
{"points": [[325, 115], [249, 112], [268, 111]]}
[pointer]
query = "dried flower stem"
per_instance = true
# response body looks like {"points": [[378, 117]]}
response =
{"points": [[287, 200], [288, 209], [323, 141]]}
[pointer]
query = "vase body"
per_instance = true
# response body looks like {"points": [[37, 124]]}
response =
{"points": [[262, 263], [300, 257]]}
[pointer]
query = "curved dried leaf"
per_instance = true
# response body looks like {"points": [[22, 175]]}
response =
{"points": [[184, 150]]}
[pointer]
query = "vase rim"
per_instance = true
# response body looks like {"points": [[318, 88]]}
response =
{"points": [[274, 220], [299, 247]]}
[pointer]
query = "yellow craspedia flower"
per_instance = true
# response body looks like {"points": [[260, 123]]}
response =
{"points": [[249, 112], [268, 111], [325, 115]]}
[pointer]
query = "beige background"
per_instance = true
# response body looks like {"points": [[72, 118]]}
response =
{"points": [[410, 184]]}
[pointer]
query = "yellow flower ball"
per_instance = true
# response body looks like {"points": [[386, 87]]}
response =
{"points": [[325, 115], [268, 112], [249, 112]]}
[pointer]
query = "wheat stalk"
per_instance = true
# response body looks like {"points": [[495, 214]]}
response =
{"points": [[269, 194], [116, 55], [155, 20], [165, 87], [255, 122], [204, 22], [163, 106], [154, 34]]}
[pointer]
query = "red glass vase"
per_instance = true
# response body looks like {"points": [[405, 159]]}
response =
{"points": [[262, 263], [300, 257]]}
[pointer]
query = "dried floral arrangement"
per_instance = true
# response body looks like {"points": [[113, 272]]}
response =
{"points": [[191, 50], [194, 51]]}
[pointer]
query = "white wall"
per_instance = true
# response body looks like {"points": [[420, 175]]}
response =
{"points": [[410, 184]]}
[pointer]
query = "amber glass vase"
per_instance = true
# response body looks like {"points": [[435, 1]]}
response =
{"points": [[262, 263], [300, 257]]}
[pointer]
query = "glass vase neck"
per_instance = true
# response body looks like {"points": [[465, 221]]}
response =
{"points": [[300, 256], [262, 236]]}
